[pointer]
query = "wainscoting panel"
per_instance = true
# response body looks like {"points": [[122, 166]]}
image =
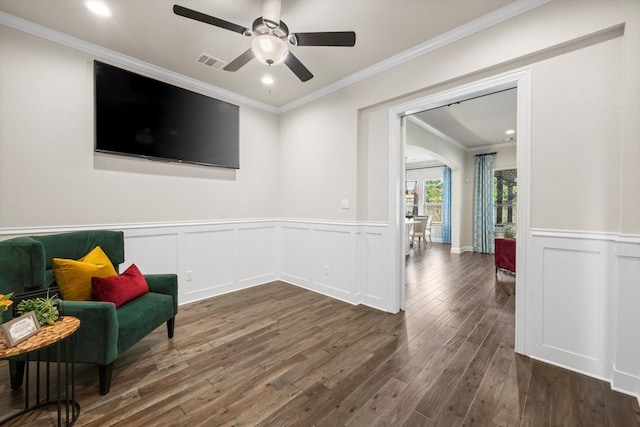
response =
{"points": [[150, 252], [582, 304], [295, 264], [346, 261], [568, 294], [321, 257], [571, 297], [332, 256], [375, 283], [208, 262], [626, 369], [256, 255], [210, 258]]}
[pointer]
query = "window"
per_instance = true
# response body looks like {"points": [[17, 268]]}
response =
{"points": [[411, 198], [505, 191], [433, 199]]}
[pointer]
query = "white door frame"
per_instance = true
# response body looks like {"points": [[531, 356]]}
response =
{"points": [[520, 79]]}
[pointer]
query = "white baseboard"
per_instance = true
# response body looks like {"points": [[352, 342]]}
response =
{"points": [[626, 383]]}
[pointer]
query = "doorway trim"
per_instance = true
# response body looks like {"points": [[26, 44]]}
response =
{"points": [[520, 79]]}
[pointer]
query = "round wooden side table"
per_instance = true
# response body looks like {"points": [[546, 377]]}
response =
{"points": [[58, 341]]}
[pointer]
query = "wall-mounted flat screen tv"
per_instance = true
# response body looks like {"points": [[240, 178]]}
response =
{"points": [[139, 116]]}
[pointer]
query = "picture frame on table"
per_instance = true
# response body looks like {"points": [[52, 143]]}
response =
{"points": [[19, 329]]}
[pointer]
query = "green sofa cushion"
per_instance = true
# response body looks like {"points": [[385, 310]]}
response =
{"points": [[139, 317]]}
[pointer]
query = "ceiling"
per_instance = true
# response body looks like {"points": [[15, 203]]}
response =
{"points": [[388, 32], [147, 35], [472, 125]]}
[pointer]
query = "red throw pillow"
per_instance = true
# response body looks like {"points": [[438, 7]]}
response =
{"points": [[120, 289]]}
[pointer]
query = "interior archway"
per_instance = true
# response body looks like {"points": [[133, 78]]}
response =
{"points": [[446, 155]]}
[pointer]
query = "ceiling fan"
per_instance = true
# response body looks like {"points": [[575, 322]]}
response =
{"points": [[271, 38]]}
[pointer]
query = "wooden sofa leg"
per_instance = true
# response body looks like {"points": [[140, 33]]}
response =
{"points": [[16, 372], [171, 323], [104, 373]]}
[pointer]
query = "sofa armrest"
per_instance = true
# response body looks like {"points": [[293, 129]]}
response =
{"points": [[164, 284], [97, 339]]}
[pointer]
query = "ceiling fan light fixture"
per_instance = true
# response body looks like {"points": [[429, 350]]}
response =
{"points": [[270, 38], [269, 49]]}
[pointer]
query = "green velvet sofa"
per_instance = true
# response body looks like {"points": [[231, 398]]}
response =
{"points": [[105, 332]]}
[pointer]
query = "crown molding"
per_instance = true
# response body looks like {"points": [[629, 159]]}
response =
{"points": [[448, 139], [118, 58], [493, 18], [424, 125], [491, 147]]}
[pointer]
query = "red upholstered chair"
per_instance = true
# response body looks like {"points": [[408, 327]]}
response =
{"points": [[505, 254]]}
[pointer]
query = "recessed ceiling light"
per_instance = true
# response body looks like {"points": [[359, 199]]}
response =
{"points": [[510, 132], [268, 80], [98, 7]]}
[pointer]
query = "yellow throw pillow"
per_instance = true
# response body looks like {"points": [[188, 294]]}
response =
{"points": [[74, 277]]}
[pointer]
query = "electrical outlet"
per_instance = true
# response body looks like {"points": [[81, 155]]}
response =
{"points": [[188, 275], [326, 270]]}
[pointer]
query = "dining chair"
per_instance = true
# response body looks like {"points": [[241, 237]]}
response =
{"points": [[418, 229], [427, 229]]}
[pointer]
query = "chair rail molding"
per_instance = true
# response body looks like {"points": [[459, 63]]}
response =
{"points": [[341, 259]]}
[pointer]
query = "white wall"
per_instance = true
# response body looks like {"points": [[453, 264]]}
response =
{"points": [[573, 142], [317, 161], [505, 158], [50, 176]]}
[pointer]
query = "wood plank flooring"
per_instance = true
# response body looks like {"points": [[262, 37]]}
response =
{"points": [[278, 355]]}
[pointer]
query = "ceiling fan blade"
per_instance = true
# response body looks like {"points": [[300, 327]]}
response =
{"points": [[271, 13], [329, 38], [240, 61], [208, 19], [297, 67]]}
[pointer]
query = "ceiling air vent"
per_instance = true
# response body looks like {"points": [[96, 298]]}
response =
{"points": [[210, 61]]}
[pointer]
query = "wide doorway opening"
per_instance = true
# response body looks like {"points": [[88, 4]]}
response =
{"points": [[516, 83]]}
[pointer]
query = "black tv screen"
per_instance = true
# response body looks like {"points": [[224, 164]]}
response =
{"points": [[140, 116]]}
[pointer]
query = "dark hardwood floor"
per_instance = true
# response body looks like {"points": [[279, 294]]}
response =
{"points": [[278, 355]]}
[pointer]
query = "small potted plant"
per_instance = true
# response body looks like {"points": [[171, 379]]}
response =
{"points": [[45, 309], [510, 232]]}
